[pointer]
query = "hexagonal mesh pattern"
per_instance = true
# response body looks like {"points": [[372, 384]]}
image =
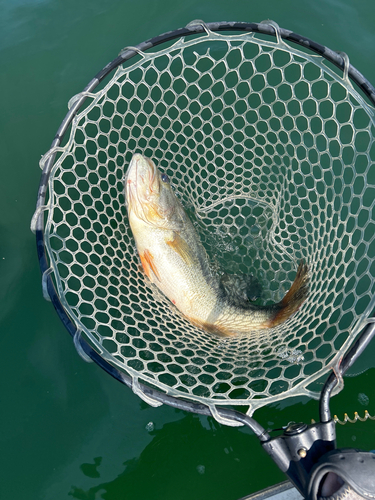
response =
{"points": [[271, 152]]}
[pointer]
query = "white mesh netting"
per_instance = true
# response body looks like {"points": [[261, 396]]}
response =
{"points": [[271, 152]]}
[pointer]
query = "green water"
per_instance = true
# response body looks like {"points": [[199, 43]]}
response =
{"points": [[68, 429]]}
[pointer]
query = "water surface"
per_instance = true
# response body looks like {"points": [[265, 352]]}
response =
{"points": [[69, 430]]}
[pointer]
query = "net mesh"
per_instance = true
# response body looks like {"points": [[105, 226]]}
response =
{"points": [[271, 152]]}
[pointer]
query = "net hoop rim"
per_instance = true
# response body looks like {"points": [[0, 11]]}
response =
{"points": [[340, 60]]}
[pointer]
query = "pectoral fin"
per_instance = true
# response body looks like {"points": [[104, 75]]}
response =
{"points": [[180, 246], [148, 264]]}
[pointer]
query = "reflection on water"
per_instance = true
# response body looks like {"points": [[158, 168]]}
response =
{"points": [[91, 470], [205, 457], [18, 21]]}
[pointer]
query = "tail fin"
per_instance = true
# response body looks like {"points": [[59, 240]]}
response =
{"points": [[294, 298]]}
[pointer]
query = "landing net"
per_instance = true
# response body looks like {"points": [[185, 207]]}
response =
{"points": [[270, 148]]}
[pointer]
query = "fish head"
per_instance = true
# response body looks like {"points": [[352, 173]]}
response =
{"points": [[149, 195]]}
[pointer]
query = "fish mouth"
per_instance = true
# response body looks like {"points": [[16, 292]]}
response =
{"points": [[141, 187]]}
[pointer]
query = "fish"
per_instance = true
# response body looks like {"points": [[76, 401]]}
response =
{"points": [[175, 260]]}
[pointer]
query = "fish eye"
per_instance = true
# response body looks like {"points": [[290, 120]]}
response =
{"points": [[164, 178]]}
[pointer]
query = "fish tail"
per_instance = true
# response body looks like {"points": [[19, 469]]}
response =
{"points": [[294, 298]]}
